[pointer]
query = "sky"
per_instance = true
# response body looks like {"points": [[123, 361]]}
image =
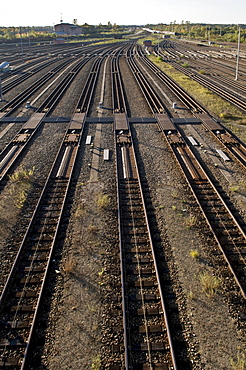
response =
{"points": [[128, 12]]}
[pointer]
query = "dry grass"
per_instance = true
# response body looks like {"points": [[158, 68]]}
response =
{"points": [[80, 211], [190, 221], [22, 176], [210, 283], [175, 194], [240, 362], [191, 294], [96, 363], [92, 229], [20, 184], [103, 200], [69, 266]]}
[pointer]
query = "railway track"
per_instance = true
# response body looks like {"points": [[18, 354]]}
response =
{"points": [[22, 293], [45, 63], [222, 90], [25, 75], [12, 151], [227, 230], [231, 143], [147, 337], [21, 98], [225, 65]]}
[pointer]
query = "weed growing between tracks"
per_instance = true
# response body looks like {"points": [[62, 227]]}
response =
{"points": [[21, 182], [69, 266], [210, 284], [96, 363], [240, 362], [195, 254], [103, 200], [191, 221]]}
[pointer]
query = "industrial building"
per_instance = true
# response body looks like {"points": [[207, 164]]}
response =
{"points": [[67, 29]]}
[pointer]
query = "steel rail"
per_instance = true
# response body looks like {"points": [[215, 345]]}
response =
{"points": [[211, 60], [12, 105], [52, 100], [151, 97], [129, 186], [20, 98], [220, 218], [176, 50], [32, 242], [25, 76], [11, 152], [11, 73], [187, 100], [39, 231], [86, 94], [214, 86], [222, 134], [215, 75], [23, 137], [222, 91], [197, 63], [194, 172], [85, 97], [119, 104]]}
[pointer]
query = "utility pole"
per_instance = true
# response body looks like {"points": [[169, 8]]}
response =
{"points": [[21, 45], [29, 42], [238, 51]]}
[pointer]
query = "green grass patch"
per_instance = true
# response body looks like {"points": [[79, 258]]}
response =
{"points": [[185, 65]]}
